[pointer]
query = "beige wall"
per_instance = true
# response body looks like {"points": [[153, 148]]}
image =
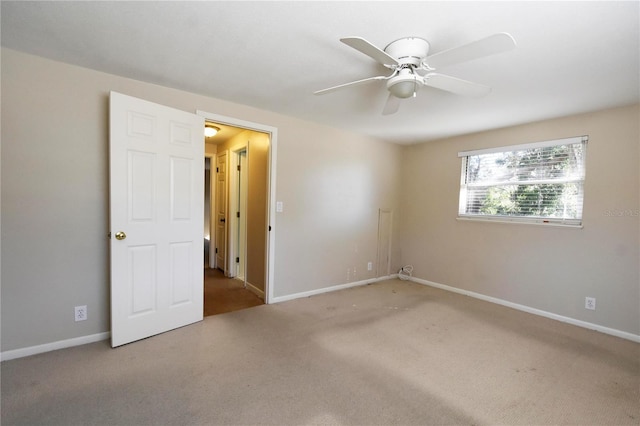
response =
{"points": [[548, 268], [257, 205], [332, 183], [210, 149], [55, 196], [330, 219]]}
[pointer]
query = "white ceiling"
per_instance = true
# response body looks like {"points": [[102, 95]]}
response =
{"points": [[225, 133], [572, 57]]}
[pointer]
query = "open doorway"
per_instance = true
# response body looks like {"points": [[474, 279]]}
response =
{"points": [[238, 192], [207, 210], [237, 225]]}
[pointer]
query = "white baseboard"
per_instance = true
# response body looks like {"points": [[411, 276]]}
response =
{"points": [[62, 344], [255, 290], [77, 341], [568, 320], [47, 347], [330, 289]]}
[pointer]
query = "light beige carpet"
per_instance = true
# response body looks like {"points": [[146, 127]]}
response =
{"points": [[395, 352]]}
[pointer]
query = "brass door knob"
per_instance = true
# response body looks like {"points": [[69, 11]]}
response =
{"points": [[120, 235]]}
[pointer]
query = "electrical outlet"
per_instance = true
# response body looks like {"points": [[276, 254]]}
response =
{"points": [[81, 313], [590, 303], [369, 266]]}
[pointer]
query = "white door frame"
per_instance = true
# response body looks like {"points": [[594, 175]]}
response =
{"points": [[271, 191], [212, 202]]}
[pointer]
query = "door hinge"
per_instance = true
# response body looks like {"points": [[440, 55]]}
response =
{"points": [[238, 214], [216, 250], [269, 228], [237, 260], [217, 170], [238, 167]]}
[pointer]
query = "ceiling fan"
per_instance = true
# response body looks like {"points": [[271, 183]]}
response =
{"points": [[412, 67]]}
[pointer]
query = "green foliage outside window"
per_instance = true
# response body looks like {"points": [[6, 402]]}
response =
{"points": [[542, 182]]}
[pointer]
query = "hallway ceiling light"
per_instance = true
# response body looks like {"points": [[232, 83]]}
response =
{"points": [[210, 130]]}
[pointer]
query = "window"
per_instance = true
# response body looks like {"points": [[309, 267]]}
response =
{"points": [[534, 183]]}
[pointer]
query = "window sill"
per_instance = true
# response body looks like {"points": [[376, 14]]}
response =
{"points": [[535, 222]]}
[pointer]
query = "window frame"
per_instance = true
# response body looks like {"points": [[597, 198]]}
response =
{"points": [[530, 220]]}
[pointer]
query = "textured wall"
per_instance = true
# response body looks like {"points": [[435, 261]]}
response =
{"points": [[548, 268]]}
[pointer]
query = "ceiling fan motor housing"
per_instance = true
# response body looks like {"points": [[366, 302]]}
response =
{"points": [[409, 52]]}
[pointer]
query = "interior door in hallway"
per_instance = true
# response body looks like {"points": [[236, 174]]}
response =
{"points": [[221, 211], [156, 216], [241, 223]]}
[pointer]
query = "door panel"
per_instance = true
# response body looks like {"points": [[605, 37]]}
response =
{"points": [[142, 279], [141, 176], [181, 261], [156, 187], [181, 175]]}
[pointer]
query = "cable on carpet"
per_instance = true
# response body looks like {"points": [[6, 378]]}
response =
{"points": [[405, 272]]}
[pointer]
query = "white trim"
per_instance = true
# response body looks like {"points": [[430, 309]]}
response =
{"points": [[211, 262], [47, 347], [271, 219], [271, 196], [255, 290], [330, 289], [561, 318], [464, 185], [525, 146], [522, 221]]}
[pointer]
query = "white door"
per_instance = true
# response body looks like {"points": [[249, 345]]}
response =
{"points": [[221, 212], [157, 207]]}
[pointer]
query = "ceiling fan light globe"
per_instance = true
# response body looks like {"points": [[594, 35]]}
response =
{"points": [[403, 89]]}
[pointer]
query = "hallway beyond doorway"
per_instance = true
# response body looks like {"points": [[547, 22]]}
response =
{"points": [[222, 294]]}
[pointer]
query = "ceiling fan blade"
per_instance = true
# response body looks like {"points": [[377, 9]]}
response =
{"points": [[352, 83], [497, 43], [391, 106], [370, 50], [456, 85]]}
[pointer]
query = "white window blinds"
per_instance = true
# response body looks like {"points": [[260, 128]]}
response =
{"points": [[541, 182]]}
